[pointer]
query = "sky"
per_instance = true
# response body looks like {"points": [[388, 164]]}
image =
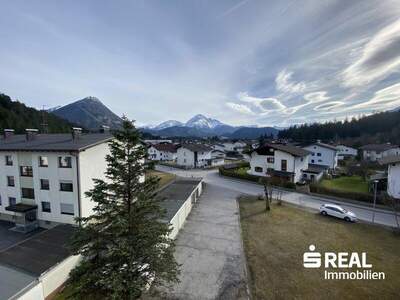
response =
{"points": [[244, 62]]}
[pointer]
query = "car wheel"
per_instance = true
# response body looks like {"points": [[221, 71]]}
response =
{"points": [[324, 213], [347, 219]]}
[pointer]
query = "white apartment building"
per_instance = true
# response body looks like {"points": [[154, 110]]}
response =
{"points": [[44, 177], [374, 152], [164, 152], [393, 186], [279, 160], [323, 154], [194, 156], [344, 151]]}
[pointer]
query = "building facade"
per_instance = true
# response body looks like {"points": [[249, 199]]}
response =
{"points": [[162, 152], [323, 154], [375, 152], [345, 151], [194, 156], [393, 180], [43, 180]]}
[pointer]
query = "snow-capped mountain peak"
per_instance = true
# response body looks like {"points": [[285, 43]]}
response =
{"points": [[201, 121], [167, 124]]}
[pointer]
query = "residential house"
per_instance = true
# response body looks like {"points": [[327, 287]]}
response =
{"points": [[219, 147], [374, 152], [194, 156], [344, 152], [279, 160], [155, 142], [237, 146], [44, 177], [162, 152], [323, 154], [393, 181]]}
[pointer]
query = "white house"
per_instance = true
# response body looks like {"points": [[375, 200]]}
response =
{"points": [[344, 151], [165, 152], [393, 162], [44, 177], [219, 147], [237, 146], [323, 154], [374, 152], [279, 160], [194, 156]]}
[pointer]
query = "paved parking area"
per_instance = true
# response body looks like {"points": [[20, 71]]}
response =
{"points": [[209, 247]]}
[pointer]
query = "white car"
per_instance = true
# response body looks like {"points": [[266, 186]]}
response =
{"points": [[338, 212]]}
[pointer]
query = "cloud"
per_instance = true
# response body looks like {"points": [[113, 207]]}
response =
{"points": [[328, 106], [241, 108], [316, 97], [380, 57], [386, 98], [233, 8], [285, 84], [264, 104]]}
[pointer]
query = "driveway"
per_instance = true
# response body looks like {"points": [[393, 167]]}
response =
{"points": [[382, 217], [209, 247]]}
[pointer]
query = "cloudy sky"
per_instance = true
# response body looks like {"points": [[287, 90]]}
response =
{"points": [[241, 61]]}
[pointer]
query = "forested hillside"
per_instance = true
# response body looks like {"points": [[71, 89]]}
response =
{"points": [[378, 128], [18, 116]]}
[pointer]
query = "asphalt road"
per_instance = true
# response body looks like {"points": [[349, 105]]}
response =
{"points": [[382, 217]]}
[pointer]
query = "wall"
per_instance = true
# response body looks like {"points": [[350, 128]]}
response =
{"points": [[92, 165], [394, 180], [259, 161], [185, 157], [179, 219], [202, 158], [328, 156]]}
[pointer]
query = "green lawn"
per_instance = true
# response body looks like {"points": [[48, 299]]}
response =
{"points": [[275, 243], [347, 183]]}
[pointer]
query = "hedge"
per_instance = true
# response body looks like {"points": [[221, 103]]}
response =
{"points": [[230, 171], [363, 197]]}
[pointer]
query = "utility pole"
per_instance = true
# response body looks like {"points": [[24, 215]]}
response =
{"points": [[375, 188]]}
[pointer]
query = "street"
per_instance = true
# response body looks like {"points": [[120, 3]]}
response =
{"points": [[212, 177]]}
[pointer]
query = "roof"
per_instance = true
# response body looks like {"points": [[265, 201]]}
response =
{"points": [[315, 169], [21, 207], [197, 147], [323, 145], [293, 150], [166, 147], [378, 147], [175, 194], [53, 142], [40, 252], [390, 160]]}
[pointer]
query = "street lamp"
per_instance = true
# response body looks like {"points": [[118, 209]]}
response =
{"points": [[375, 188]]}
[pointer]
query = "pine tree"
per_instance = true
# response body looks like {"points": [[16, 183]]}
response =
{"points": [[125, 243]]}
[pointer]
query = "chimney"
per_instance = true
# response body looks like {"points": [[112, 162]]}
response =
{"points": [[76, 132], [104, 129], [8, 133], [31, 133]]}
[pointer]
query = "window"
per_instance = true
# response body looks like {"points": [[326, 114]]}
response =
{"points": [[270, 160], [43, 161], [318, 154], [28, 193], [319, 160], [67, 209], [46, 206], [44, 184], [26, 171], [12, 201], [313, 154], [284, 165], [0, 200], [65, 162], [312, 161], [66, 186], [301, 159], [9, 161], [10, 181], [258, 169]]}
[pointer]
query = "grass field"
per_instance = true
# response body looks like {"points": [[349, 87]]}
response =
{"points": [[165, 178], [275, 242], [347, 183]]}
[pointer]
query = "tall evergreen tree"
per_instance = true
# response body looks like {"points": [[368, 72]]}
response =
{"points": [[125, 243]]}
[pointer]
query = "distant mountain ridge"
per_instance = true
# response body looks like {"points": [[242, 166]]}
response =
{"points": [[202, 126], [89, 113], [16, 115]]}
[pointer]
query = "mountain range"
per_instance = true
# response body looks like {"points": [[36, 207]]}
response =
{"points": [[202, 126], [89, 112]]}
